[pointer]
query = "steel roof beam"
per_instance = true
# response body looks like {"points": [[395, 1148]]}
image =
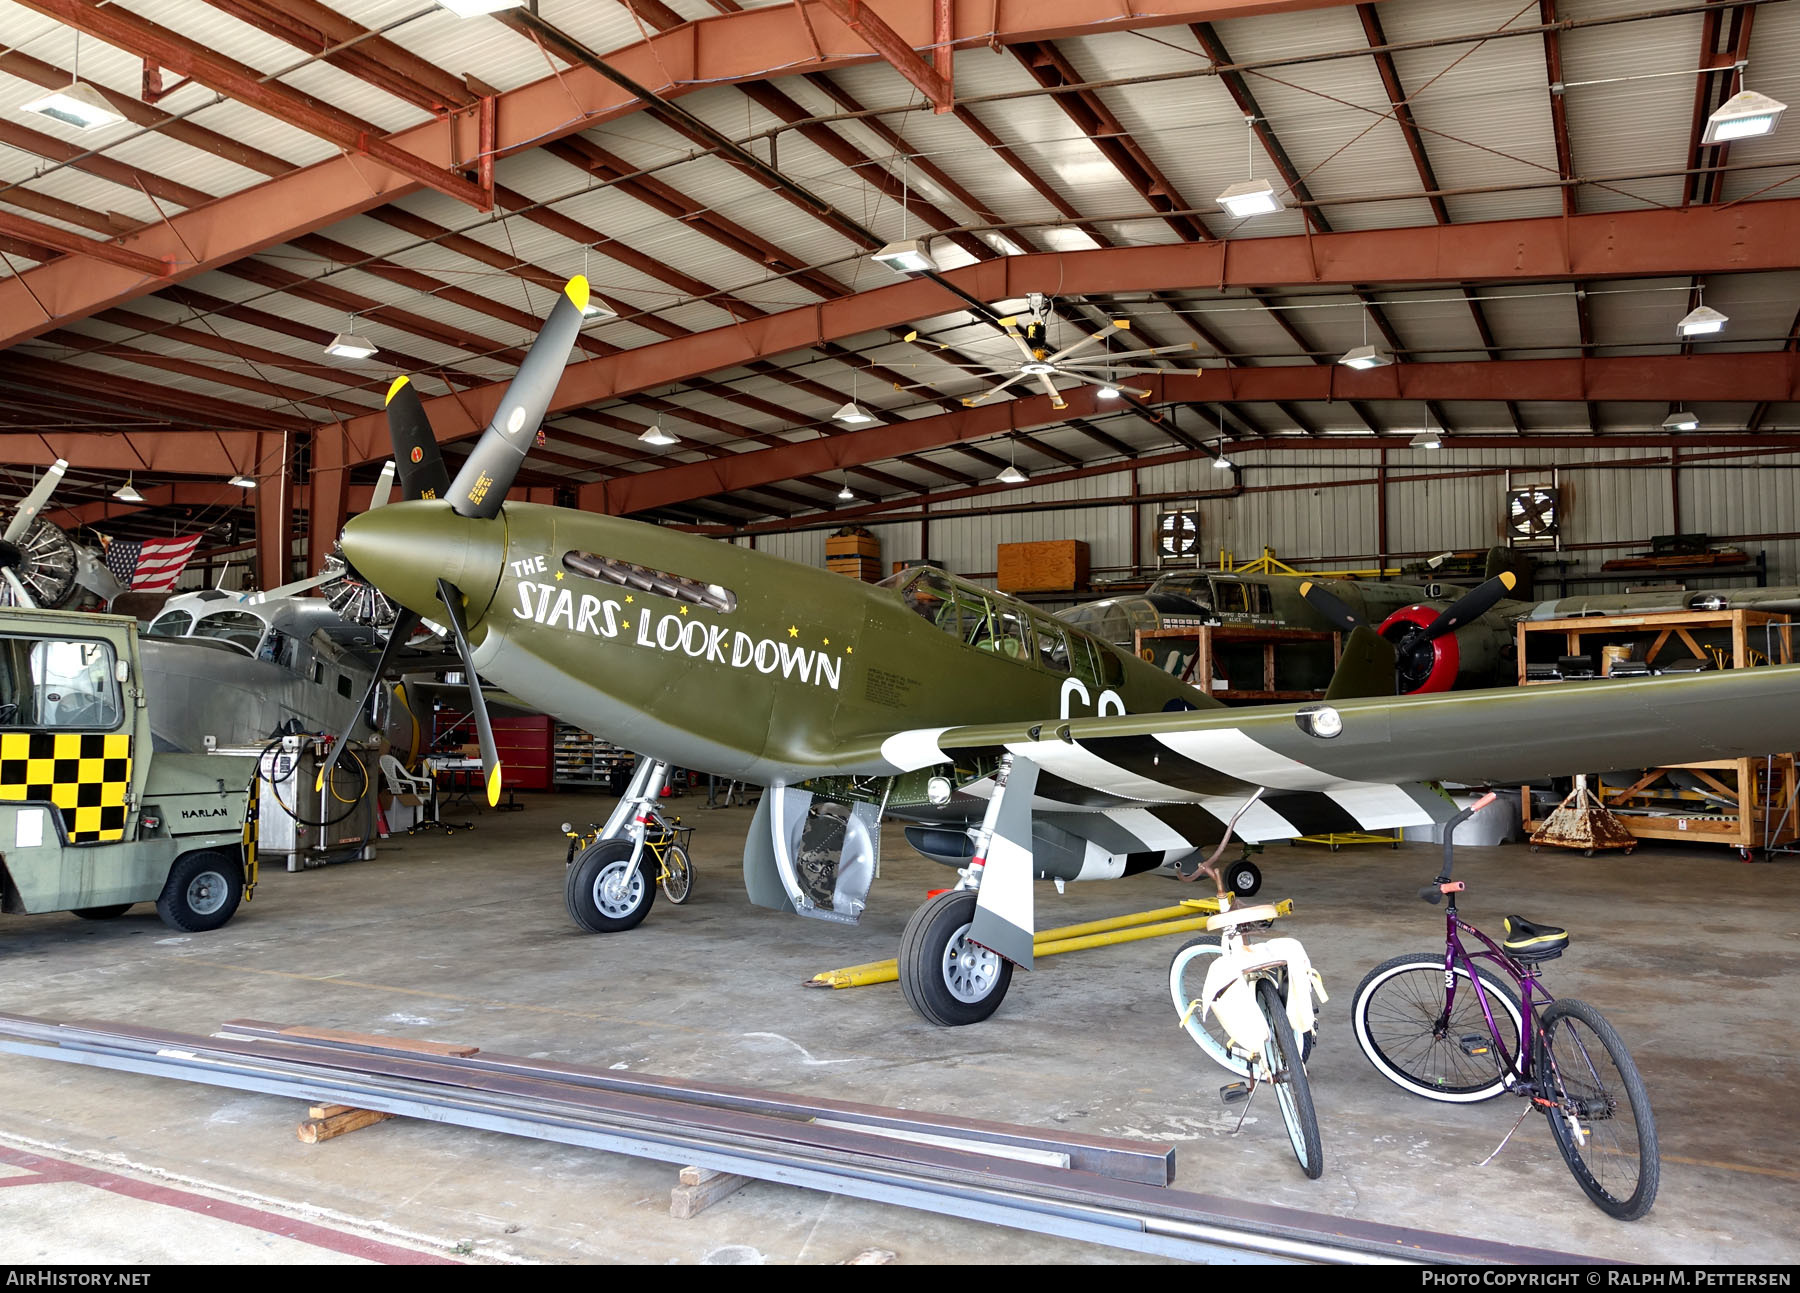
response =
{"points": [[73, 244], [124, 30], [1723, 377], [747, 45], [174, 453], [901, 56]]}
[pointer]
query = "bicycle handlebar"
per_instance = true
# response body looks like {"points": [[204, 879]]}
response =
{"points": [[1451, 825], [1431, 894]]}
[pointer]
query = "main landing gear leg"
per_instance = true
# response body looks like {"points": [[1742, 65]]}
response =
{"points": [[959, 949], [608, 889]]}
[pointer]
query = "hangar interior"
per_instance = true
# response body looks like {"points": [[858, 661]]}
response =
{"points": [[1252, 378]]}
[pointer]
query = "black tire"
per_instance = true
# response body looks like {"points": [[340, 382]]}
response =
{"points": [[679, 883], [1585, 1070], [603, 903], [1243, 878], [104, 913], [947, 980], [1395, 1015], [1187, 976], [202, 892], [1292, 1091]]}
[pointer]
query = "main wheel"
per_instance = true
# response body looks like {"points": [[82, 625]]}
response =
{"points": [[605, 893], [1600, 1116], [679, 882], [1187, 979], [1400, 1023], [202, 892], [946, 978], [1287, 1074], [1243, 878], [103, 913]]}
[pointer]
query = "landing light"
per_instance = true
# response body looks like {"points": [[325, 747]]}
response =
{"points": [[937, 790], [1322, 722]]}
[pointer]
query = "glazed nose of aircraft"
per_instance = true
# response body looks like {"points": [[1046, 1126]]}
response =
{"points": [[405, 548]]}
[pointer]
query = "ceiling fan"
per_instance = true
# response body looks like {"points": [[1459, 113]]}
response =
{"points": [[1030, 332]]}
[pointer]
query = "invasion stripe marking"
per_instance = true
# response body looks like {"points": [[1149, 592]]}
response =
{"points": [[1147, 825], [1250, 759], [1158, 762], [1087, 768], [1315, 814], [1384, 807], [911, 750]]}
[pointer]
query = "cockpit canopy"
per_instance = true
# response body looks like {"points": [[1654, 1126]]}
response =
{"points": [[237, 628], [991, 622]]}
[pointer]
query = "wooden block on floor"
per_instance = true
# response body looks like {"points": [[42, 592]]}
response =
{"points": [[700, 1188], [329, 1126]]}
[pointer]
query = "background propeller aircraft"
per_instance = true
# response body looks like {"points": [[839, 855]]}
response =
{"points": [[1017, 747]]}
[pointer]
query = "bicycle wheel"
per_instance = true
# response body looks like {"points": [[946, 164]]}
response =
{"points": [[1599, 1112], [1187, 976], [677, 874], [1287, 1074], [1399, 1019]]}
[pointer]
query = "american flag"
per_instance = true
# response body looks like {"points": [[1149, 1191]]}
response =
{"points": [[152, 565]]}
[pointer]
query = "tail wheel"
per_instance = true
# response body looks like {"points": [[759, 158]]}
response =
{"points": [[1243, 878], [946, 978]]}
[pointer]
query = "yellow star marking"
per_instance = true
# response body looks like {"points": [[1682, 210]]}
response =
{"points": [[793, 632], [559, 574], [624, 624], [849, 650], [684, 610], [827, 641], [629, 599]]}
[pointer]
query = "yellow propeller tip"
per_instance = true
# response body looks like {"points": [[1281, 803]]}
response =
{"points": [[577, 291], [1305, 587], [319, 781], [493, 786], [1124, 324], [394, 390], [1508, 578]]}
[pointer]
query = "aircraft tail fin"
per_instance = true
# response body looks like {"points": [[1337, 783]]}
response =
{"points": [[1366, 667]]}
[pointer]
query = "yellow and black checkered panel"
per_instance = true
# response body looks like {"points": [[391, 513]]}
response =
{"points": [[85, 775]]}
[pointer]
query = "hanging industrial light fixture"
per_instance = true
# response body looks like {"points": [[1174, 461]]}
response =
{"points": [[127, 493], [77, 104], [1744, 115], [907, 255], [351, 345], [657, 436], [1682, 421], [1252, 196], [242, 481], [1365, 355]]}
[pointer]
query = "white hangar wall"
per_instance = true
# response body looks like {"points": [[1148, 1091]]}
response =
{"points": [[1319, 509]]}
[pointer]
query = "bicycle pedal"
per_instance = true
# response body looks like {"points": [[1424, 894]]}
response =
{"points": [[1476, 1044], [1232, 1092]]}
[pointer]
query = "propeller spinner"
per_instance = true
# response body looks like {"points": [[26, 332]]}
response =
{"points": [[475, 495]]}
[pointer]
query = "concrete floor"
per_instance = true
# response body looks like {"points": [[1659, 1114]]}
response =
{"points": [[1691, 955]]}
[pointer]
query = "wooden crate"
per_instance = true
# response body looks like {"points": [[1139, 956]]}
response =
{"points": [[867, 569], [853, 545], [1050, 566]]}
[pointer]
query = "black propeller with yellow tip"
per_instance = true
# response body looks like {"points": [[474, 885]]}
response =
{"points": [[1413, 656], [1330, 606], [478, 490]]}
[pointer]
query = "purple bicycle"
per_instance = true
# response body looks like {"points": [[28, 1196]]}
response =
{"points": [[1422, 1027]]}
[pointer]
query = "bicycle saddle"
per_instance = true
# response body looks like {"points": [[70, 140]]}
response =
{"points": [[1525, 941], [1242, 916]]}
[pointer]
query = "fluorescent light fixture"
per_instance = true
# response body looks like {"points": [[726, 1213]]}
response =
{"points": [[660, 438], [1361, 357], [472, 8], [77, 104], [1108, 391], [1011, 475], [1701, 321], [905, 257], [127, 494], [847, 494], [853, 414], [347, 345], [1222, 463], [598, 309], [1683, 421], [1427, 440], [1250, 197], [243, 482], [1744, 115]]}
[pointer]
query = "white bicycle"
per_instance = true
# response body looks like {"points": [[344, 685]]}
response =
{"points": [[1250, 1007]]}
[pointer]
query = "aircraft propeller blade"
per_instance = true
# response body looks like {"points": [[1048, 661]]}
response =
{"points": [[416, 454], [294, 589], [18, 587], [451, 596], [1472, 605], [384, 485], [1330, 606], [481, 486], [34, 501], [404, 623]]}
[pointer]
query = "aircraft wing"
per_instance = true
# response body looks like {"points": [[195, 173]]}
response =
{"points": [[1371, 772]]}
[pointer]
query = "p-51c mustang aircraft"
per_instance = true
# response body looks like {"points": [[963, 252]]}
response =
{"points": [[1017, 748]]}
